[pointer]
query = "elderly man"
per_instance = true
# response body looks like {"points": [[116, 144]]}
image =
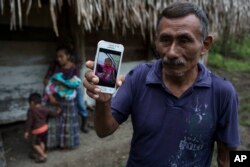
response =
{"points": [[179, 109]]}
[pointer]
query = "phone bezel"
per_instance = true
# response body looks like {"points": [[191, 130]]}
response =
{"points": [[113, 47]]}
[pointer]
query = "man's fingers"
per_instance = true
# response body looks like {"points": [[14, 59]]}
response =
{"points": [[91, 77], [91, 87], [90, 83], [90, 64], [92, 95]]}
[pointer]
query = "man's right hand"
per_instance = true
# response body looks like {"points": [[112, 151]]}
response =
{"points": [[90, 83], [105, 124]]}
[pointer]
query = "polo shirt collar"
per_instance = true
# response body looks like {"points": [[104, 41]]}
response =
{"points": [[155, 75]]}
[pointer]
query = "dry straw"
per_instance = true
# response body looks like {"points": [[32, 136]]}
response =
{"points": [[130, 15]]}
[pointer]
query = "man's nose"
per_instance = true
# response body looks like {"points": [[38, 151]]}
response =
{"points": [[173, 51]]}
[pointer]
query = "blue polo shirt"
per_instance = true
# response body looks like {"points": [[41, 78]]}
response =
{"points": [[176, 132]]}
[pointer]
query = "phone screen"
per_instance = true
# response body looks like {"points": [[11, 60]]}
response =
{"points": [[107, 66]]}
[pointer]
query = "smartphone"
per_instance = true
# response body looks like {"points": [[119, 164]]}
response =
{"points": [[107, 65]]}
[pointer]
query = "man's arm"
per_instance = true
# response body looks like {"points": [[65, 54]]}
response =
{"points": [[223, 154], [105, 124]]}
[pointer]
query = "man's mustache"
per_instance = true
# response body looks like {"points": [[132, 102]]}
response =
{"points": [[173, 62]]}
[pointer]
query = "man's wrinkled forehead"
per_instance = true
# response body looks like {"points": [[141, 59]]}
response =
{"points": [[182, 24]]}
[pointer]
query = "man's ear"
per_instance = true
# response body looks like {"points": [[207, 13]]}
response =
{"points": [[207, 43]]}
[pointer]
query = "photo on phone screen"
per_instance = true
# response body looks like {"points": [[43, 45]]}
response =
{"points": [[107, 66]]}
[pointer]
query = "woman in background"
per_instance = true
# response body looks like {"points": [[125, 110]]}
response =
{"points": [[64, 130]]}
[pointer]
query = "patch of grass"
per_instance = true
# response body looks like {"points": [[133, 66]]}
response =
{"points": [[236, 47], [215, 60], [234, 55], [218, 61], [235, 58], [241, 46]]}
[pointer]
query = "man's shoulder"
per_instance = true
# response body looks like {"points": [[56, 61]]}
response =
{"points": [[221, 83]]}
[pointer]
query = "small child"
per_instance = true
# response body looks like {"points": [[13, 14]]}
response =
{"points": [[59, 86], [36, 126], [107, 73]]}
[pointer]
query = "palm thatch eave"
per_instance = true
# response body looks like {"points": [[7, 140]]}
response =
{"points": [[232, 15]]}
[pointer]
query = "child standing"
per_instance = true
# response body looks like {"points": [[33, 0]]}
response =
{"points": [[36, 125]]}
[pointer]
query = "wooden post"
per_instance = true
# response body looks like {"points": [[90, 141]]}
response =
{"points": [[70, 32]]}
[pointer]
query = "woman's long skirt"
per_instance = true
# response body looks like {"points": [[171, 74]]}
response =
{"points": [[64, 129]]}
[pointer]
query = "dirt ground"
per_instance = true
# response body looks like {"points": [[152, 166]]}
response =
{"points": [[108, 152], [111, 151]]}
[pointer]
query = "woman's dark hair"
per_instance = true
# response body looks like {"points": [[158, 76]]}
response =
{"points": [[36, 98], [179, 9], [66, 48], [69, 50]]}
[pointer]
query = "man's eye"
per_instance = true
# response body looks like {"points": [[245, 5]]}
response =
{"points": [[184, 40], [165, 39]]}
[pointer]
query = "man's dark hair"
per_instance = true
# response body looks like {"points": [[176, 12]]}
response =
{"points": [[179, 9], [36, 98]]}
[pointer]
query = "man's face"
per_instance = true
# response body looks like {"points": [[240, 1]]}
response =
{"points": [[179, 44]]}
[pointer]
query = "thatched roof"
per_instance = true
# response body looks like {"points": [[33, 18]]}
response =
{"points": [[134, 14]]}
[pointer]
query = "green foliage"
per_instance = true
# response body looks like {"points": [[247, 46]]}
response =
{"points": [[215, 60], [232, 56], [242, 47], [237, 48], [236, 58], [230, 64]]}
